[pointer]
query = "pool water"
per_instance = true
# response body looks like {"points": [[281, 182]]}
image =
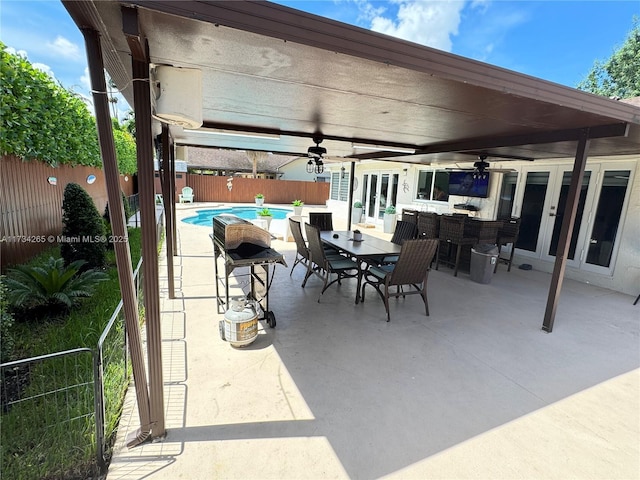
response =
{"points": [[205, 217]]}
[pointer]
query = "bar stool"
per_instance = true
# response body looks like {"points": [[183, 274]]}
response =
{"points": [[508, 233], [452, 233], [428, 225]]}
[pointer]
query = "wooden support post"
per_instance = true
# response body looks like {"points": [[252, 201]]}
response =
{"points": [[568, 221]]}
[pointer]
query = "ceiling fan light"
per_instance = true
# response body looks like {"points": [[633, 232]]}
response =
{"points": [[310, 166]]}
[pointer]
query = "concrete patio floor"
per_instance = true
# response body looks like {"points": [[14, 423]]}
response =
{"points": [[475, 390]]}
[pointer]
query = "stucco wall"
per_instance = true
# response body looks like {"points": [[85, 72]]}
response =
{"points": [[626, 272]]}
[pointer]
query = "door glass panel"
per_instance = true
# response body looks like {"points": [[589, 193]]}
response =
{"points": [[384, 195], [507, 195], [365, 186], [394, 188], [607, 218], [560, 211], [373, 196], [535, 191]]}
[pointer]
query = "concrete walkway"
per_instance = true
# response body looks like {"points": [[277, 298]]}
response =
{"points": [[475, 390]]}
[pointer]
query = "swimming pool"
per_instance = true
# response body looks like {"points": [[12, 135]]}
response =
{"points": [[205, 217]]}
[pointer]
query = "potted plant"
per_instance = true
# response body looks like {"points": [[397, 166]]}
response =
{"points": [[389, 219], [297, 207], [259, 199], [265, 214], [356, 212], [357, 236]]}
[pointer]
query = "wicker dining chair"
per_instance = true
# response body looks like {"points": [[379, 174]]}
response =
{"points": [[508, 233], [452, 233], [324, 265], [404, 231], [411, 271], [303, 255]]}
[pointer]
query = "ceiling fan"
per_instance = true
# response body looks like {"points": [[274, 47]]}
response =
{"points": [[482, 166], [315, 154]]}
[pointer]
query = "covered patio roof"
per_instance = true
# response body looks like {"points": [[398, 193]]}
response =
{"points": [[298, 79], [269, 69]]}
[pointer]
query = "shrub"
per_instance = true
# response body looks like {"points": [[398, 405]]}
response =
{"points": [[357, 205], [265, 212], [259, 195], [53, 285], [297, 203], [83, 229], [390, 209], [7, 340]]}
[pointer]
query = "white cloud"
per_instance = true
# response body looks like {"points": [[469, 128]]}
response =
{"points": [[13, 51], [65, 48], [85, 80], [44, 68], [426, 22]]}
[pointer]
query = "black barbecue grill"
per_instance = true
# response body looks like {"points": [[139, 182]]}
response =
{"points": [[242, 244]]}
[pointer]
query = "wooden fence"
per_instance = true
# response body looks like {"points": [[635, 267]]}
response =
{"points": [[212, 188], [31, 204]]}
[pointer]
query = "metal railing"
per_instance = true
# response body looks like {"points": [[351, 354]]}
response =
{"points": [[58, 400], [47, 401]]}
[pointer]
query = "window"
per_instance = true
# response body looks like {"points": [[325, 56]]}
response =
{"points": [[433, 185], [335, 186], [339, 187]]}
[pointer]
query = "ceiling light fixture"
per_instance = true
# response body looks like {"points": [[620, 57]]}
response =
{"points": [[235, 133], [382, 148]]}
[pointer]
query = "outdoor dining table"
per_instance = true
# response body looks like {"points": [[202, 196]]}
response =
{"points": [[368, 248]]}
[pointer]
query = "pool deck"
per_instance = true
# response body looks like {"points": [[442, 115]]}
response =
{"points": [[474, 391]]}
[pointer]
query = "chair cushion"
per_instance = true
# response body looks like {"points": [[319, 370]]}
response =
{"points": [[342, 263], [380, 271]]}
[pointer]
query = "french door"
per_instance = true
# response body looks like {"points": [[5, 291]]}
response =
{"points": [[542, 194], [380, 191]]}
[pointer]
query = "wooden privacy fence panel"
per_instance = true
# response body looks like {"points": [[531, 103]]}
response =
{"points": [[213, 188], [31, 208]]}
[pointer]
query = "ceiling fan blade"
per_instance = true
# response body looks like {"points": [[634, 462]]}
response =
{"points": [[487, 155]]}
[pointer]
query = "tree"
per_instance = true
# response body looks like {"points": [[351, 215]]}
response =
{"points": [[619, 76]]}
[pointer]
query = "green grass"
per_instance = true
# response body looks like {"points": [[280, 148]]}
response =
{"points": [[53, 435]]}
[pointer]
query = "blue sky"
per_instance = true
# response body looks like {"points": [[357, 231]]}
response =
{"points": [[554, 40]]}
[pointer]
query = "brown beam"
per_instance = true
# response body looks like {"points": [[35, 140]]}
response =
{"points": [[172, 195], [132, 33], [479, 145], [168, 210], [144, 143], [119, 230], [352, 176], [568, 221], [300, 134]]}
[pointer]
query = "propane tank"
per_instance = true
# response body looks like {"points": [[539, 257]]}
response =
{"points": [[240, 324]]}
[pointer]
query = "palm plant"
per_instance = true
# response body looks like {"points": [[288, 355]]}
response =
{"points": [[52, 285]]}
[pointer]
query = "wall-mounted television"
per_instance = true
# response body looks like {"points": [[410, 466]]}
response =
{"points": [[467, 184]]}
